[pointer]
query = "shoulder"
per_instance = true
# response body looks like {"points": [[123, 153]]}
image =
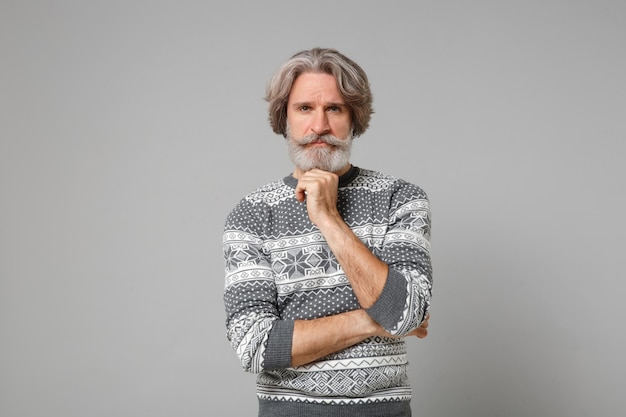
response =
{"points": [[271, 193], [255, 205], [378, 181]]}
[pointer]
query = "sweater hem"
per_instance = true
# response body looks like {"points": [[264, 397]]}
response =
{"points": [[366, 408]]}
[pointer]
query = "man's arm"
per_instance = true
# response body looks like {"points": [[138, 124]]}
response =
{"points": [[367, 274], [314, 339], [394, 289]]}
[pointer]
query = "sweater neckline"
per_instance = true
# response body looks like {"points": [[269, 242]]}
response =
{"points": [[344, 179]]}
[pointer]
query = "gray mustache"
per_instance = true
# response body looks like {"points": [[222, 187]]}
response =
{"points": [[329, 139]]}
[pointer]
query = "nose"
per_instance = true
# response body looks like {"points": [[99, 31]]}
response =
{"points": [[320, 124]]}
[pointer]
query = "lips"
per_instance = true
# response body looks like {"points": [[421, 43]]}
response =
{"points": [[319, 142]]}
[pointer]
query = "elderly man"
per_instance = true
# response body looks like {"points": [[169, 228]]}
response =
{"points": [[328, 269]]}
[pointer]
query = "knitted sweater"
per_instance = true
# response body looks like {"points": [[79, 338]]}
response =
{"points": [[279, 268]]}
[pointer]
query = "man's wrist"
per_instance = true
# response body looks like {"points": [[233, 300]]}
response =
{"points": [[332, 223]]}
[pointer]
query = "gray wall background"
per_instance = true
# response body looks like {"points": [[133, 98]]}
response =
{"points": [[129, 129]]}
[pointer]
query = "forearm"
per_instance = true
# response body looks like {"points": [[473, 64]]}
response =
{"points": [[314, 339], [383, 290], [367, 274]]}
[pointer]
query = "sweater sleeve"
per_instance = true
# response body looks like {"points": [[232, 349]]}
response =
{"points": [[405, 299], [259, 337]]}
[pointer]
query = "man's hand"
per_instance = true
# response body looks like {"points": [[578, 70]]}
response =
{"points": [[319, 189], [421, 331]]}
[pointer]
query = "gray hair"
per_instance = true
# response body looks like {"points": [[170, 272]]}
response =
{"points": [[352, 84]]}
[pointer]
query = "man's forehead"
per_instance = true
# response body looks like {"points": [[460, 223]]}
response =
{"points": [[315, 86]]}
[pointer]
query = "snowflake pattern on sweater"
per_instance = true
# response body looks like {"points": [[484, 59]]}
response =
{"points": [[279, 268]]}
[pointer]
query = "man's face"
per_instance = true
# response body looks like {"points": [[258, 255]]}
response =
{"points": [[319, 124]]}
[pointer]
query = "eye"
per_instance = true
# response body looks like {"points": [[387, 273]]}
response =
{"points": [[304, 108], [334, 109]]}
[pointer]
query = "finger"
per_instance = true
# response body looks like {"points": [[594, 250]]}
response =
{"points": [[309, 187], [419, 333], [323, 178], [300, 193], [303, 188]]}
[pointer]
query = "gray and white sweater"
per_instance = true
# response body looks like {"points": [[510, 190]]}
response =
{"points": [[279, 268]]}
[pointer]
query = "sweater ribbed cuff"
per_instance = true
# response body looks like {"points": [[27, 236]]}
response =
{"points": [[387, 310], [278, 349]]}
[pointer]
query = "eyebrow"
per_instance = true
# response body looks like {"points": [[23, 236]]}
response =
{"points": [[310, 104]]}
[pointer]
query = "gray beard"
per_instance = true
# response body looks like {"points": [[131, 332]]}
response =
{"points": [[331, 159]]}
